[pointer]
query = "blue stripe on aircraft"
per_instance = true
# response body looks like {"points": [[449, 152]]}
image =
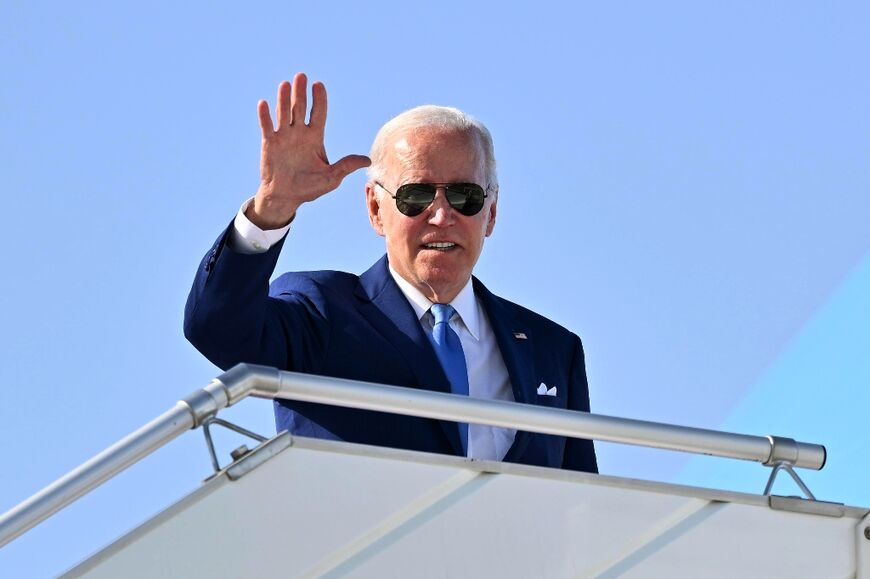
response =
{"points": [[817, 391]]}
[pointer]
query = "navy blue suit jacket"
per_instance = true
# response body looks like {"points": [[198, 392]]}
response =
{"points": [[363, 328]]}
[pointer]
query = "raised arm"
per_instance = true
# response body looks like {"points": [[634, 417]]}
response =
{"points": [[229, 315], [294, 168]]}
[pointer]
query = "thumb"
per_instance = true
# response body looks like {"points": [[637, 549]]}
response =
{"points": [[347, 165]]}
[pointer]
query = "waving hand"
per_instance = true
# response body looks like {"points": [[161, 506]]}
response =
{"points": [[294, 167]]}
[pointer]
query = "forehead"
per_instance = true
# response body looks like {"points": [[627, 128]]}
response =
{"points": [[435, 155]]}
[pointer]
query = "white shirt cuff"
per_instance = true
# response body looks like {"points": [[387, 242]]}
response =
{"points": [[247, 238]]}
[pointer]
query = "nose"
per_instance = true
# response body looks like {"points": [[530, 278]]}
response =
{"points": [[440, 211]]}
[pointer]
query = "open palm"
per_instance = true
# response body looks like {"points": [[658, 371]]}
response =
{"points": [[294, 167]]}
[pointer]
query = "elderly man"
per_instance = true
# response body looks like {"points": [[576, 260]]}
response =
{"points": [[417, 318]]}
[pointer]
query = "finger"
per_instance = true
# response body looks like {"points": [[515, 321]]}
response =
{"points": [[265, 119], [282, 109], [299, 99], [347, 165], [318, 106]]}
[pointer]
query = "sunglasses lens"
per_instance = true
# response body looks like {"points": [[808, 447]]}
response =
{"points": [[467, 198], [413, 198]]}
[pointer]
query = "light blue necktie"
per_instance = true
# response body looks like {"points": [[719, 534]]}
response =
{"points": [[450, 354]]}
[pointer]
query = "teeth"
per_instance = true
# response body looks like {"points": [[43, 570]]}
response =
{"points": [[440, 245]]}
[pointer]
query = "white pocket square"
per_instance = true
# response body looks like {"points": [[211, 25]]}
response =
{"points": [[544, 391]]}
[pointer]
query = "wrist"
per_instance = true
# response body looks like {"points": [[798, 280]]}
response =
{"points": [[268, 216]]}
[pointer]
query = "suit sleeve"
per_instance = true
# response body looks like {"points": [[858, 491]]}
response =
{"points": [[231, 318], [579, 453]]}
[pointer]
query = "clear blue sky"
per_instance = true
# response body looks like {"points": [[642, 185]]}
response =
{"points": [[684, 185]]}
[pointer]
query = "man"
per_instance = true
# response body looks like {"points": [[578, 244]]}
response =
{"points": [[417, 318]]}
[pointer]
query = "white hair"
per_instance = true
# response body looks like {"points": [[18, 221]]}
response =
{"points": [[424, 116]]}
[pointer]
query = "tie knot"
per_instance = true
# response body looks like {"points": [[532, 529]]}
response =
{"points": [[442, 312]]}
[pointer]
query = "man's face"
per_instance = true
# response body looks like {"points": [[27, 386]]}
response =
{"points": [[432, 155]]}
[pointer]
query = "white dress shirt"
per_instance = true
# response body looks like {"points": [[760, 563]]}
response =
{"points": [[487, 374], [247, 238]]}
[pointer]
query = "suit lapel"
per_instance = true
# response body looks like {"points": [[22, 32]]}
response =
{"points": [[387, 309], [515, 343]]}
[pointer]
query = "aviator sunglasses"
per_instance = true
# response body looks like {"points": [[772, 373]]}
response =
{"points": [[413, 198]]}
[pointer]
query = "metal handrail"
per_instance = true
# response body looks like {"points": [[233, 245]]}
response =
{"points": [[263, 382]]}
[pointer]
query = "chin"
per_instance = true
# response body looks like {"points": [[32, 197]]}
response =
{"points": [[443, 279]]}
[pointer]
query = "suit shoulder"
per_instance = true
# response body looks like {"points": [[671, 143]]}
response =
{"points": [[307, 281], [535, 321]]}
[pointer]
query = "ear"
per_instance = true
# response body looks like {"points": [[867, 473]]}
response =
{"points": [[490, 225], [373, 204]]}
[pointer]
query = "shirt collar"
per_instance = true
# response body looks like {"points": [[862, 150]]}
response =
{"points": [[465, 303]]}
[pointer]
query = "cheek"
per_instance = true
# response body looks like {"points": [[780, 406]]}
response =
{"points": [[397, 235], [485, 229]]}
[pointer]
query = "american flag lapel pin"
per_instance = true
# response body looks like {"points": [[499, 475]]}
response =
{"points": [[520, 336]]}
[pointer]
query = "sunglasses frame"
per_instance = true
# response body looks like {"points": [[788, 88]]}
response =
{"points": [[401, 202]]}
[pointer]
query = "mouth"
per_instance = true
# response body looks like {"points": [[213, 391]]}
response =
{"points": [[440, 246]]}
